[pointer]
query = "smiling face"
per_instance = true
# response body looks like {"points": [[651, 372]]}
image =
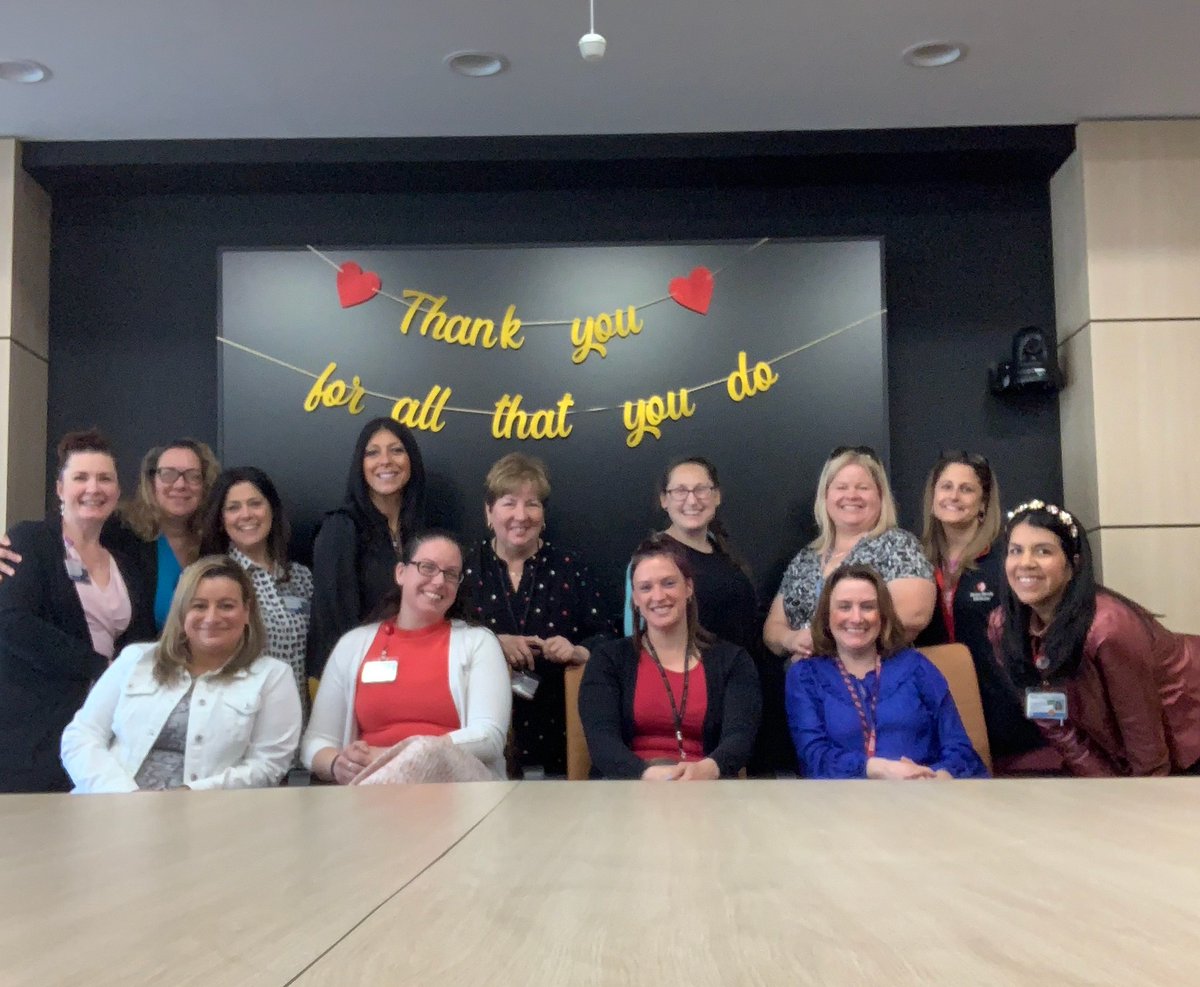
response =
{"points": [[247, 518], [853, 500], [1037, 568], [690, 500], [661, 593], [426, 596], [854, 620], [216, 619], [179, 498], [517, 519], [88, 487], [386, 466], [958, 497]]}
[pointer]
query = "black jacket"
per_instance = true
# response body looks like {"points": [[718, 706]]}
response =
{"points": [[606, 708], [47, 663]]}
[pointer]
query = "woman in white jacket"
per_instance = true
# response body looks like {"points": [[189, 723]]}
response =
{"points": [[201, 708], [418, 673]]}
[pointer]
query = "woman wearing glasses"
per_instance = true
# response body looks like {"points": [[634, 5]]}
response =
{"points": [[539, 599], [856, 521], [961, 538], [420, 672], [64, 613]]}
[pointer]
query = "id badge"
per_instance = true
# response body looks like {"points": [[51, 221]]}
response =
{"points": [[76, 571], [1045, 704], [379, 670], [294, 604], [525, 684]]}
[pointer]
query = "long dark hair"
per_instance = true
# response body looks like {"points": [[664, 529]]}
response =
{"points": [[460, 609], [664, 546], [717, 532], [358, 495], [214, 540]]}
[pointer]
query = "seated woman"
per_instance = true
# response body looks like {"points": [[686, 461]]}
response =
{"points": [[203, 707], [868, 707], [1112, 691], [245, 520], [540, 600], [63, 613], [671, 702], [420, 672], [962, 540], [856, 518]]}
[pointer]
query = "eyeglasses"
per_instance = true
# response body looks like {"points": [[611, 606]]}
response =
{"points": [[962, 456], [859, 450], [169, 474], [702, 491], [428, 569]]}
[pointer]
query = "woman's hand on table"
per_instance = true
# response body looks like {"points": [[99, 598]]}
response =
{"points": [[902, 770], [348, 763], [703, 770], [663, 772]]}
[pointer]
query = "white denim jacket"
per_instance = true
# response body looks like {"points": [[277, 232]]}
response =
{"points": [[243, 729]]}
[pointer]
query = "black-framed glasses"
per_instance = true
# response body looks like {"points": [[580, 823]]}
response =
{"points": [[169, 475], [859, 450], [430, 569], [701, 491]]}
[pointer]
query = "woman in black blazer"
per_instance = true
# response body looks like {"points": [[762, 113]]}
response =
{"points": [[672, 702], [70, 605]]}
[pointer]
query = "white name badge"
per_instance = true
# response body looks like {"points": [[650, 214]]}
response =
{"points": [[382, 670], [1045, 704], [294, 604]]}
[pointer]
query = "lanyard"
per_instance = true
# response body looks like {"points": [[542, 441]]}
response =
{"points": [[508, 591], [868, 726], [946, 600], [677, 712]]}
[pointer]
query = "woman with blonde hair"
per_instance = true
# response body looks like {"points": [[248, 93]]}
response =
{"points": [[202, 707], [856, 522]]}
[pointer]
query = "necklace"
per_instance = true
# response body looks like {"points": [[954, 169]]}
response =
{"points": [[677, 712]]}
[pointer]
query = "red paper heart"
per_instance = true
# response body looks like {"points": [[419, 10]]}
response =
{"points": [[694, 291], [355, 285]]}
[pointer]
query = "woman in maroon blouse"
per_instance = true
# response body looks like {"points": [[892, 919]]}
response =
{"points": [[1112, 690], [671, 702]]}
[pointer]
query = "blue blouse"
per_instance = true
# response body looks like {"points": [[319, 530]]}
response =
{"points": [[916, 718], [169, 571]]}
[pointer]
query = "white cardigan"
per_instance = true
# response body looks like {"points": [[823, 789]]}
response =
{"points": [[242, 728], [479, 686]]}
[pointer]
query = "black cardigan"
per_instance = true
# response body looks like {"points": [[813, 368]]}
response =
{"points": [[606, 708], [47, 663]]}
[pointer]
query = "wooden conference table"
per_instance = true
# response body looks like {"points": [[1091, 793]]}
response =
{"points": [[746, 882]]}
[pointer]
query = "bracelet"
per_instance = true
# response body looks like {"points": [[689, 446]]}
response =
{"points": [[332, 765]]}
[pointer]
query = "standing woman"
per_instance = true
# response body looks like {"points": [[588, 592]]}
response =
{"points": [[70, 604], [539, 599], [856, 520], [1112, 691], [962, 540], [359, 544], [670, 702], [420, 672], [162, 522], [690, 493], [245, 520]]}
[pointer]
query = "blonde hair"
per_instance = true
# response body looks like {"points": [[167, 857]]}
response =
{"points": [[509, 473], [933, 535], [143, 514], [172, 654], [833, 466]]}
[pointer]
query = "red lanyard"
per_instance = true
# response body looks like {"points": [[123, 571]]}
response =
{"points": [[946, 601], [868, 726]]}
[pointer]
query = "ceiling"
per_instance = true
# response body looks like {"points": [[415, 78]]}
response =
{"points": [[224, 69]]}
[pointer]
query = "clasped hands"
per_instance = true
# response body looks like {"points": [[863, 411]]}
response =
{"points": [[703, 770], [520, 650], [904, 769]]}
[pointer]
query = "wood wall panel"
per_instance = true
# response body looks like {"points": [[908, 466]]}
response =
{"points": [[1155, 566]]}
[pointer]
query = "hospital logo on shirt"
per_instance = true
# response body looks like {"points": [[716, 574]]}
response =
{"points": [[981, 594]]}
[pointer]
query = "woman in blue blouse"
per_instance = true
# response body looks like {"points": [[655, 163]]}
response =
{"points": [[869, 707]]}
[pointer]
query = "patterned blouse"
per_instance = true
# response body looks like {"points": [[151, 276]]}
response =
{"points": [[285, 604], [556, 596], [895, 554]]}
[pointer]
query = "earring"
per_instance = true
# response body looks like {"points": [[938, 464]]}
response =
{"points": [[62, 507]]}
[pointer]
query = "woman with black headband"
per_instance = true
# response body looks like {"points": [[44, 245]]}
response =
{"points": [[1112, 691]]}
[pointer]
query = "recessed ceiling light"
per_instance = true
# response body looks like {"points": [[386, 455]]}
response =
{"points": [[23, 70], [476, 64], [934, 54]]}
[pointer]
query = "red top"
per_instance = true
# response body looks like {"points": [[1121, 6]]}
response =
{"points": [[417, 701], [653, 721]]}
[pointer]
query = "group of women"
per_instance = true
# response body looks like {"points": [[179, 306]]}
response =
{"points": [[427, 654]]}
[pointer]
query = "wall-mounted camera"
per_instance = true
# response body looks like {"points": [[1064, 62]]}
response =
{"points": [[1033, 368]]}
